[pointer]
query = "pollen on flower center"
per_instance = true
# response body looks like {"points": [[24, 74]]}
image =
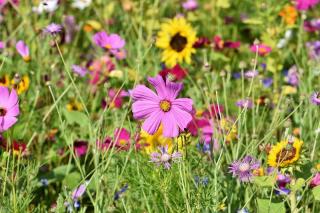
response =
{"points": [[243, 167], [3, 112], [165, 105], [108, 46], [178, 42]]}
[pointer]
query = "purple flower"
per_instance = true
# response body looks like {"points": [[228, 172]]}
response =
{"points": [[164, 158], [109, 42], [78, 192], [79, 70], [251, 74], [314, 49], [306, 4], [161, 108], [190, 5], [282, 181], [2, 45], [71, 27], [23, 50], [267, 82], [9, 108], [243, 169], [80, 148], [245, 103], [53, 29], [293, 76], [315, 98]]}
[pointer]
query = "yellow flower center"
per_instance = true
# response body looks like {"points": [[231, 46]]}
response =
{"points": [[3, 111], [165, 105], [108, 46], [178, 42]]}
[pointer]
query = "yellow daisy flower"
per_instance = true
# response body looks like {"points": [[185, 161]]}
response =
{"points": [[74, 105], [5, 81], [176, 38], [150, 143], [285, 153], [21, 85]]}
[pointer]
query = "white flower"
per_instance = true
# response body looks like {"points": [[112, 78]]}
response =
{"points": [[81, 4], [46, 6]]}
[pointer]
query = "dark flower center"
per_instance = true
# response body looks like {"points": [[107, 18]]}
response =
{"points": [[178, 42], [165, 105], [286, 154], [3, 111]]}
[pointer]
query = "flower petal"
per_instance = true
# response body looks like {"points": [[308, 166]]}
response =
{"points": [[182, 117], [143, 109], [143, 93], [12, 100], [170, 127], [7, 122], [173, 89], [152, 123], [184, 104], [160, 86]]}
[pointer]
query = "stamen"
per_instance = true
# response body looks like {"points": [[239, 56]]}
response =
{"points": [[165, 105]]}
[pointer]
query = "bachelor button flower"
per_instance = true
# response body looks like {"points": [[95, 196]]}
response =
{"points": [[81, 71], [243, 169], [118, 194], [245, 103], [23, 50], [161, 108], [282, 181], [53, 29], [9, 108], [251, 74], [109, 42], [190, 5], [164, 157], [315, 98], [267, 82]]}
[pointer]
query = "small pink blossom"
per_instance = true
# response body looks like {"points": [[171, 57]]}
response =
{"points": [[261, 48], [315, 180], [109, 42], [23, 50], [190, 5]]}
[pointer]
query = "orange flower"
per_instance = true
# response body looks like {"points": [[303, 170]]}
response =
{"points": [[289, 14]]}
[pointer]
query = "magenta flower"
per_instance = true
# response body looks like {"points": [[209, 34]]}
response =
{"points": [[190, 5], [2, 45], [164, 158], [116, 97], [261, 48], [110, 42], [9, 108], [243, 169], [119, 54], [53, 29], [121, 140], [315, 98], [79, 70], [306, 4], [80, 148], [315, 180], [23, 50], [161, 108]]}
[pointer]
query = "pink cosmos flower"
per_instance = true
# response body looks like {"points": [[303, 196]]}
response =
{"points": [[261, 48], [23, 50], [9, 108], [100, 68], [116, 97], [112, 41], [190, 5], [306, 4], [161, 108], [121, 140]]}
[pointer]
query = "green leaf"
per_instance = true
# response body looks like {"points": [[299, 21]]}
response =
{"points": [[253, 21], [72, 180], [76, 117], [300, 182], [265, 181], [316, 192], [265, 206], [61, 171]]}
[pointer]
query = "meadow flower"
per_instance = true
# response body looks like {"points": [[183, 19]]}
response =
{"points": [[285, 153], [267, 82], [176, 38], [53, 29], [100, 69], [70, 27], [220, 44], [150, 143], [190, 5], [243, 169], [201, 42], [306, 4], [2, 45], [245, 103], [314, 49], [20, 84], [315, 181], [161, 108], [81, 4], [289, 14], [282, 181], [251, 74], [116, 97], [119, 53], [119, 193], [175, 73], [244, 210], [164, 157], [23, 50], [5, 80], [46, 6], [312, 25], [80, 148], [292, 76], [74, 105], [315, 98], [81, 71], [121, 140], [9, 108], [262, 49], [79, 192], [109, 42]]}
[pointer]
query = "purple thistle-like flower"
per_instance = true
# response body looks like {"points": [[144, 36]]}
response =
{"points": [[243, 169], [53, 29], [245, 103], [164, 158], [79, 70], [315, 98]]}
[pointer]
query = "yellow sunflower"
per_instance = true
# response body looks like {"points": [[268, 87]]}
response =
{"points": [[74, 105], [150, 143], [176, 38], [5, 81], [285, 153], [21, 85]]}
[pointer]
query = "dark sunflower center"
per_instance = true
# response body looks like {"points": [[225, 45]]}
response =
{"points": [[3, 111], [3, 80], [178, 42], [286, 154]]}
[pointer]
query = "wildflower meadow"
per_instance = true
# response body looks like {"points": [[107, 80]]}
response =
{"points": [[160, 106]]}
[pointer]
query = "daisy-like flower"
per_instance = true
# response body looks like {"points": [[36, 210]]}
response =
{"points": [[315, 98], [23, 50], [164, 157], [20, 84], [109, 42], [285, 152], [53, 29], [244, 169], [46, 6], [74, 105], [116, 97], [261, 48], [81, 4], [161, 108], [5, 81], [9, 108], [81, 71], [176, 38]]}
